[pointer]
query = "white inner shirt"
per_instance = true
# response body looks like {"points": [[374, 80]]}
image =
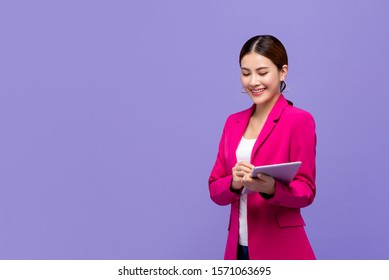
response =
{"points": [[243, 153]]}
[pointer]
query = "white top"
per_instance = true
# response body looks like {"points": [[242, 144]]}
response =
{"points": [[243, 153]]}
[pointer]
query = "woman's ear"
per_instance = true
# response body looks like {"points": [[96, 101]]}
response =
{"points": [[283, 72]]}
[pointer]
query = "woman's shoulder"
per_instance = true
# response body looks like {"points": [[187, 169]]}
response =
{"points": [[297, 113], [298, 118], [237, 116]]}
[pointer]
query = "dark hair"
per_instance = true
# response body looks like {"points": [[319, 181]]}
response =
{"points": [[268, 46]]}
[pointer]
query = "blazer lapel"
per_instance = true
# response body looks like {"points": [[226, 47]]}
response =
{"points": [[270, 123], [238, 131], [242, 122]]}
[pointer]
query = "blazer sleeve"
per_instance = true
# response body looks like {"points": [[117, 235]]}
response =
{"points": [[221, 176], [302, 190]]}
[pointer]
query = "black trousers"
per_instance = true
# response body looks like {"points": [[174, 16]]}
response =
{"points": [[243, 252]]}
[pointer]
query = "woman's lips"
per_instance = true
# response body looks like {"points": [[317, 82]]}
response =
{"points": [[257, 92]]}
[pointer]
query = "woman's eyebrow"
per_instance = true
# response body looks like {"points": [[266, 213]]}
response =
{"points": [[259, 68]]}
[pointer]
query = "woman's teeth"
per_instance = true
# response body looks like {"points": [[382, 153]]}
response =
{"points": [[257, 90]]}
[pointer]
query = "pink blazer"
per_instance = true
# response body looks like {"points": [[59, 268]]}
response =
{"points": [[275, 225]]}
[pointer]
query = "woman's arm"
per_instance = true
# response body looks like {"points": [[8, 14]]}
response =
{"points": [[221, 177], [301, 191]]}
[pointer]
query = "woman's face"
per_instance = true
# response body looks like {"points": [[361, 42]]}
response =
{"points": [[261, 78]]}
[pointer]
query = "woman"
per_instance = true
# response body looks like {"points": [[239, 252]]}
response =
{"points": [[265, 223]]}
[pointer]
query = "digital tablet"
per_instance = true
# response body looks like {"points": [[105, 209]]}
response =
{"points": [[283, 172]]}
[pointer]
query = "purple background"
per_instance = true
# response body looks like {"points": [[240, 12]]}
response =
{"points": [[111, 113]]}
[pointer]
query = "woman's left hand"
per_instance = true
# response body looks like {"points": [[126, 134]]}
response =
{"points": [[262, 183]]}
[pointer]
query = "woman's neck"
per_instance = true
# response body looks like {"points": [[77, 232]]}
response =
{"points": [[263, 110]]}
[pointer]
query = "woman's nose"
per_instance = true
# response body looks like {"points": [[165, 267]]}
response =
{"points": [[254, 81]]}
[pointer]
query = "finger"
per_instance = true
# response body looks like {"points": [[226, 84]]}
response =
{"points": [[247, 178], [246, 164], [265, 177], [239, 174], [244, 169]]}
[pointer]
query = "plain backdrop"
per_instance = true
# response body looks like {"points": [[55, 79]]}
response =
{"points": [[111, 113]]}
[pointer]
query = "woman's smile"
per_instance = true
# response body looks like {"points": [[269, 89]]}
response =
{"points": [[257, 91]]}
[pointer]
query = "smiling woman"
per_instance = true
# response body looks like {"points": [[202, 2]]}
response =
{"points": [[265, 223], [268, 47]]}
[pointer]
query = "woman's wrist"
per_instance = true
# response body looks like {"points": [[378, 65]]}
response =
{"points": [[236, 191], [236, 188], [270, 191]]}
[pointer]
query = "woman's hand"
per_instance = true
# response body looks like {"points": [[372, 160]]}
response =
{"points": [[240, 170], [262, 183]]}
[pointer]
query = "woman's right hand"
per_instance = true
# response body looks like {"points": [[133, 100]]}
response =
{"points": [[238, 172]]}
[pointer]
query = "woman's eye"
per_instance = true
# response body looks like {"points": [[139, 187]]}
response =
{"points": [[245, 74], [262, 74]]}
